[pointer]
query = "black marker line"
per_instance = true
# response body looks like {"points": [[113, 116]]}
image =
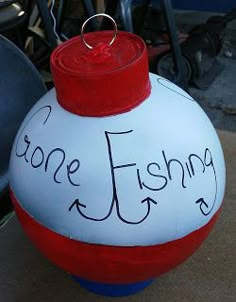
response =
{"points": [[60, 165], [201, 200], [45, 121], [42, 160], [148, 200], [78, 205], [168, 167], [115, 200], [191, 164], [139, 180], [124, 166], [155, 175], [69, 171], [165, 80], [190, 175], [24, 154]]}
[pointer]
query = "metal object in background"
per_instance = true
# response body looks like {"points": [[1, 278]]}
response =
{"points": [[199, 48], [47, 22], [14, 17], [126, 14], [179, 66], [20, 87], [202, 47]]}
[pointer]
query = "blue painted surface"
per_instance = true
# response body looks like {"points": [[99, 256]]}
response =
{"points": [[199, 5], [204, 5], [112, 290]]}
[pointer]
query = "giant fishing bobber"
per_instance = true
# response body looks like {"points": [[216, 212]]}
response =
{"points": [[117, 175]]}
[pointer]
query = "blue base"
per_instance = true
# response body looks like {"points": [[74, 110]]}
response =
{"points": [[112, 290]]}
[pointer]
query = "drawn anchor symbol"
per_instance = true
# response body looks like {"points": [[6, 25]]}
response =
{"points": [[80, 205], [115, 202]]}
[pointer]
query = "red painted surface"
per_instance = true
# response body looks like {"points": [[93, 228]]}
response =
{"points": [[111, 264], [104, 81]]}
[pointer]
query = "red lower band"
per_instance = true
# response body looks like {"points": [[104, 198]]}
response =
{"points": [[111, 264]]}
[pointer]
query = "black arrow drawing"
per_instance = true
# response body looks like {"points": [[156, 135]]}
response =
{"points": [[204, 207], [80, 205], [147, 201]]}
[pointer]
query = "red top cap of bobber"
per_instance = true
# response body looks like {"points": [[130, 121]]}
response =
{"points": [[101, 73]]}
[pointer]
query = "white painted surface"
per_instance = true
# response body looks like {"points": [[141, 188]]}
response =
{"points": [[160, 136]]}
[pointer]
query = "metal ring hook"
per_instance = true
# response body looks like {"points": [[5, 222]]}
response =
{"points": [[94, 16]]}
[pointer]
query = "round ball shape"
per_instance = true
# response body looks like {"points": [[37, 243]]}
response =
{"points": [[151, 179]]}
